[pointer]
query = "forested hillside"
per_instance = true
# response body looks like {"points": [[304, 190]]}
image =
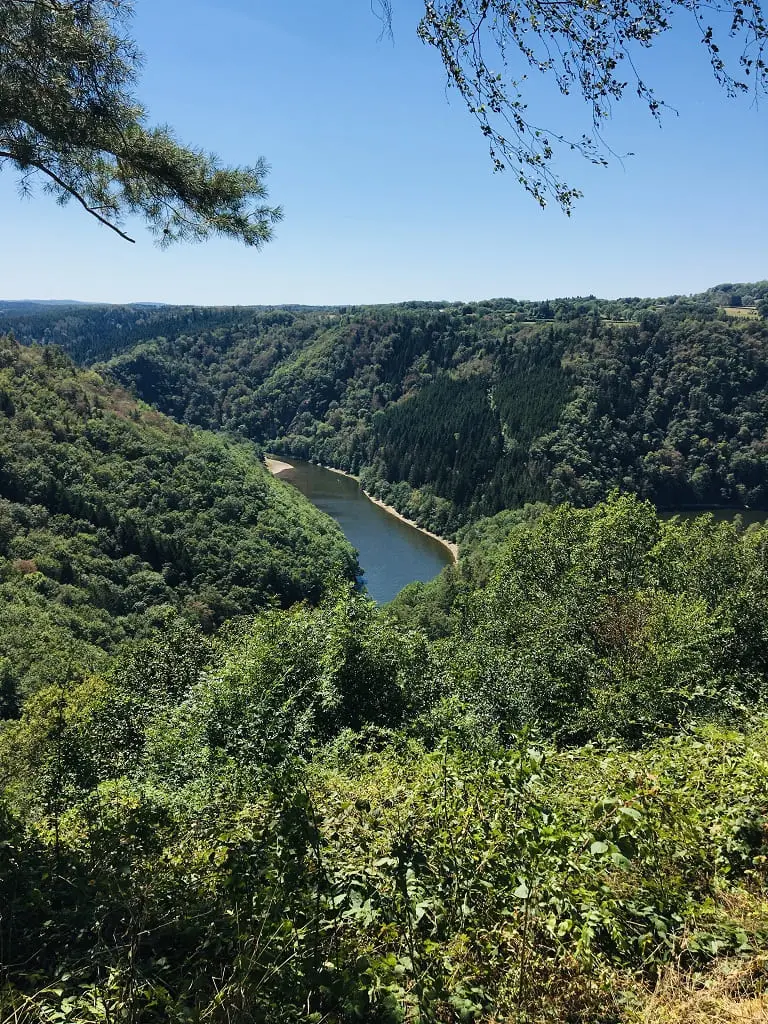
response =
{"points": [[551, 809], [456, 412], [92, 332], [533, 790], [112, 516], [234, 789]]}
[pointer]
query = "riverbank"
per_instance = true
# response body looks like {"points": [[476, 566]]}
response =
{"points": [[277, 467], [449, 544]]}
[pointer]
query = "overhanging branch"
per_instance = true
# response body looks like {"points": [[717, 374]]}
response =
{"points": [[70, 191]]}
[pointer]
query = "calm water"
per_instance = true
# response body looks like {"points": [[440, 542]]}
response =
{"points": [[392, 554], [748, 515]]}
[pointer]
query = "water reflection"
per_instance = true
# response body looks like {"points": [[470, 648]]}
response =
{"points": [[391, 553]]}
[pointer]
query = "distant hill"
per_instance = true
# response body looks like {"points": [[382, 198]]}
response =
{"points": [[456, 411]]}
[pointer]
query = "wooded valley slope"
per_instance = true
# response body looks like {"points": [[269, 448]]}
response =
{"points": [[452, 412]]}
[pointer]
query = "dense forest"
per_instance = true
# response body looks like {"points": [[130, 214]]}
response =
{"points": [[233, 790], [113, 517], [547, 805], [455, 412]]}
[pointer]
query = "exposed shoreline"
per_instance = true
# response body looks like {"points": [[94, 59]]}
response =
{"points": [[449, 544], [277, 466]]}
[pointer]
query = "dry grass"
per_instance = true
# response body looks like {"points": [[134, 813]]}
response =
{"points": [[745, 312], [735, 993]]}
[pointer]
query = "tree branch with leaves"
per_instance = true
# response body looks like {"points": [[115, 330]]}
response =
{"points": [[68, 115], [490, 48]]}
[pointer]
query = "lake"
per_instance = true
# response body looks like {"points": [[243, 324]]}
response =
{"points": [[392, 553]]}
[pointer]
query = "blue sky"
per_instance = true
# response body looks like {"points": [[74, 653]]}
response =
{"points": [[386, 183]]}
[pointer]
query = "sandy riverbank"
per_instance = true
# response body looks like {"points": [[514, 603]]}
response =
{"points": [[453, 548], [276, 467]]}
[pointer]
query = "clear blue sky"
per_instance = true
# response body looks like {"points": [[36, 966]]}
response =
{"points": [[386, 183]]}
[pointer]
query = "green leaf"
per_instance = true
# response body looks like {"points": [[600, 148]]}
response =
{"points": [[631, 812]]}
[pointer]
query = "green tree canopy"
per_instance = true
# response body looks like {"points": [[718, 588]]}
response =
{"points": [[68, 114]]}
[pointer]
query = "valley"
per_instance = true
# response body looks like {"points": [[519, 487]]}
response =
{"points": [[391, 552], [450, 413], [526, 785]]}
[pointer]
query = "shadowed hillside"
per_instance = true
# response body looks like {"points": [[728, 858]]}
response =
{"points": [[455, 412], [112, 516]]}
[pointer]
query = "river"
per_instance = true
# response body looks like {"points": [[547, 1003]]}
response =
{"points": [[392, 553], [747, 515]]}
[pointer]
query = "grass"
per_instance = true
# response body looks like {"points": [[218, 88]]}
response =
{"points": [[744, 312], [736, 992]]}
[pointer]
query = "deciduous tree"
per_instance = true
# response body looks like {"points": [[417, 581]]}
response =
{"points": [[491, 48]]}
